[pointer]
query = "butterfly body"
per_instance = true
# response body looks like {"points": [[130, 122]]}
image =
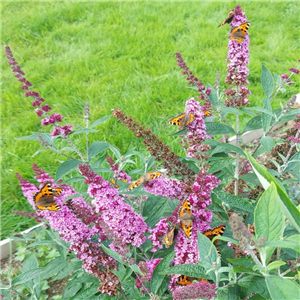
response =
{"points": [[238, 33], [169, 237], [186, 218], [44, 198], [145, 178], [182, 120], [229, 19]]}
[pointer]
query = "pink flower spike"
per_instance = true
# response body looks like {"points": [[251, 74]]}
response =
{"points": [[39, 112], [24, 87], [294, 70], [55, 132], [46, 108], [45, 121]]}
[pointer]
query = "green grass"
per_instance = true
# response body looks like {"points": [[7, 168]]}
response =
{"points": [[121, 55]]}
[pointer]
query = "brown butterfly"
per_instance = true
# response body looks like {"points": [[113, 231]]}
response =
{"points": [[145, 178], [217, 231], [170, 236], [238, 33], [186, 280], [229, 18], [186, 218], [182, 120], [44, 198]]}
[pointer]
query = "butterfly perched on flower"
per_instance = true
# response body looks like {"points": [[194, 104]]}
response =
{"points": [[113, 182], [186, 280], [238, 33], [182, 120], [170, 236], [186, 218], [217, 231], [229, 19], [44, 198], [145, 178]]}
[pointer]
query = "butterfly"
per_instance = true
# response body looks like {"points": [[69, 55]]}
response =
{"points": [[182, 120], [238, 33], [229, 18], [145, 178], [186, 218], [44, 198], [186, 280], [170, 236], [217, 231]]}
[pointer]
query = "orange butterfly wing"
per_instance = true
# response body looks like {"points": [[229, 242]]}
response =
{"points": [[145, 178], [186, 218], [44, 198], [229, 18], [182, 120], [186, 280], [169, 237], [238, 33], [217, 231]]}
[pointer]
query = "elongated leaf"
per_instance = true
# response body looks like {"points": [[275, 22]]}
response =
{"points": [[275, 265], [294, 243], [66, 167], [223, 147], [217, 128], [213, 96], [282, 288], [87, 293], [234, 201], [267, 81], [191, 270], [267, 142], [267, 119], [30, 262], [96, 148], [255, 284], [158, 273], [99, 121], [253, 124], [268, 219], [290, 210]]}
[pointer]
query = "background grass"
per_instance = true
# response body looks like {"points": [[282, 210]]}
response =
{"points": [[121, 55]]}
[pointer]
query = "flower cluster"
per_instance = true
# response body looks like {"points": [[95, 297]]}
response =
{"points": [[41, 110], [74, 231], [237, 71], [197, 130], [119, 175]]}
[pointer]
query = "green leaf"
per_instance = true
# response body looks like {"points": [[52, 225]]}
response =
{"points": [[268, 143], [222, 147], [88, 292], [268, 220], [208, 253], [158, 273], [30, 263], [217, 128], [213, 96], [288, 244], [99, 121], [191, 270], [253, 124], [96, 148], [275, 265], [296, 239], [289, 209], [71, 267], [267, 81], [234, 201], [267, 119], [255, 284], [220, 163], [66, 167], [244, 261], [282, 288]]}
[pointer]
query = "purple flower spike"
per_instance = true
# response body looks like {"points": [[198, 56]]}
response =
{"points": [[237, 71]]}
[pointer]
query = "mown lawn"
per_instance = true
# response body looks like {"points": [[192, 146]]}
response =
{"points": [[121, 55]]}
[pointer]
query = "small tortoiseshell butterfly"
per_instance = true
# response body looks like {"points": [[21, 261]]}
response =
{"points": [[44, 198], [186, 218], [170, 236], [145, 178], [186, 280], [229, 18], [182, 120], [217, 231], [238, 33]]}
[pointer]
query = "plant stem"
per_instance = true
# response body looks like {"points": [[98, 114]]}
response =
{"points": [[237, 162]]}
